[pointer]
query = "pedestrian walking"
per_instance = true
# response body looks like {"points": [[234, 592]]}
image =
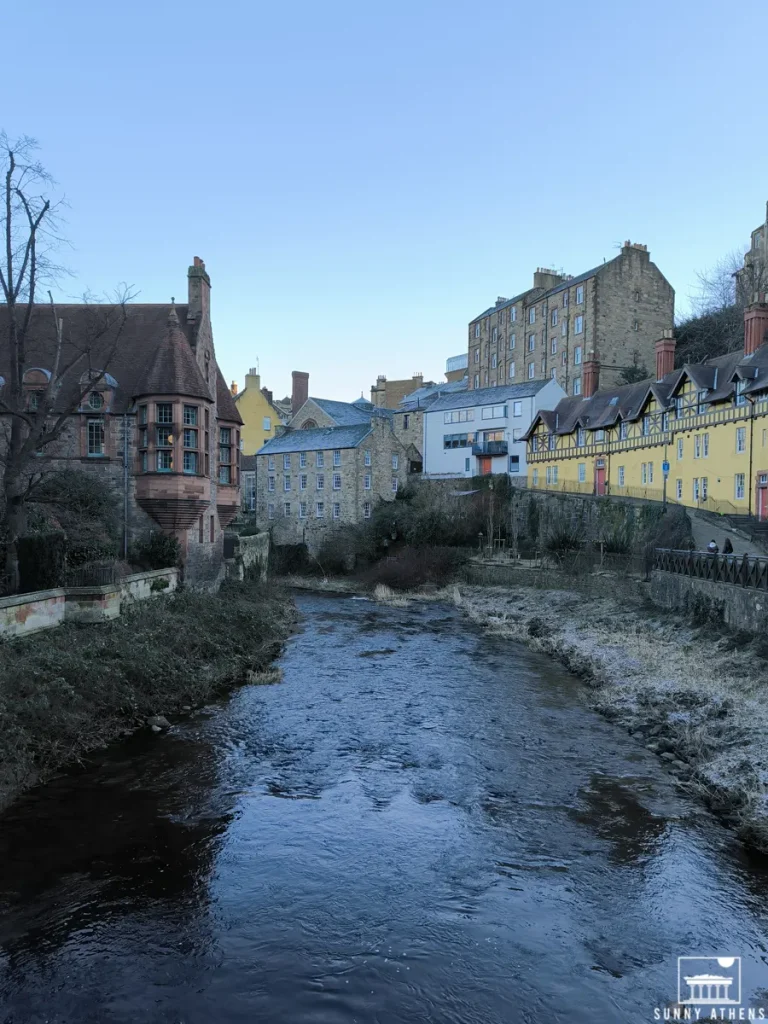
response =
{"points": [[727, 547]]}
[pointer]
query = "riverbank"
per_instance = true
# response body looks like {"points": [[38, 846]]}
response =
{"points": [[694, 694], [76, 688]]}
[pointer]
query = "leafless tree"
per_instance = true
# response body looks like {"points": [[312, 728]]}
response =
{"points": [[29, 234]]}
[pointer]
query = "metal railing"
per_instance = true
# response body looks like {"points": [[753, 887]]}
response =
{"points": [[92, 576], [490, 448], [739, 570]]}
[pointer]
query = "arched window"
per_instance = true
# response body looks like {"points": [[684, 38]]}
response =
{"points": [[308, 425]]}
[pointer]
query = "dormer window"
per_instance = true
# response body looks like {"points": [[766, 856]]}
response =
{"points": [[33, 403], [95, 400], [741, 398], [701, 407]]}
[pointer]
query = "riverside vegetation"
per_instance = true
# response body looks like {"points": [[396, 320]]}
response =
{"points": [[75, 688]]}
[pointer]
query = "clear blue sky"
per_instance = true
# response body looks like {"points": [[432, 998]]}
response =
{"points": [[362, 179]]}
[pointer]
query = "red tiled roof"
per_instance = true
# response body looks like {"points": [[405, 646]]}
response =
{"points": [[174, 369]]}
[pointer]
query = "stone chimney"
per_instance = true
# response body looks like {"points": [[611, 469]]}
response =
{"points": [[546, 278], [233, 388], [252, 379], [300, 392], [199, 292], [280, 429], [590, 375], [267, 394], [635, 248], [755, 324], [665, 354]]}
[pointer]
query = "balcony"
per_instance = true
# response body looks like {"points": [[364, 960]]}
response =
{"points": [[490, 448]]}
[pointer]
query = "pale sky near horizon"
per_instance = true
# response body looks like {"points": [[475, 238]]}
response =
{"points": [[361, 181]]}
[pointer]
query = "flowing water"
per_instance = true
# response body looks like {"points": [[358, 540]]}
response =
{"points": [[418, 824]]}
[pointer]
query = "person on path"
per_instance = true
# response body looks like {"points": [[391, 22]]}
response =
{"points": [[727, 547], [712, 548]]}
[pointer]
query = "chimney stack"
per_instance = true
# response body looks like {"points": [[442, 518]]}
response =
{"points": [[590, 375], [755, 324], [233, 388], [199, 293], [300, 392], [665, 354], [267, 394]]}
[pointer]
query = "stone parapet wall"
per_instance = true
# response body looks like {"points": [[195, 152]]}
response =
{"points": [[739, 607]]}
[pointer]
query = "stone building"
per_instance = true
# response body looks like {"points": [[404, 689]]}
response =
{"points": [[387, 394], [408, 418], [617, 310], [313, 480], [158, 425]]}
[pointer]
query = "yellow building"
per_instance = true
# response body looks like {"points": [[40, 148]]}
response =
{"points": [[707, 424], [260, 416]]}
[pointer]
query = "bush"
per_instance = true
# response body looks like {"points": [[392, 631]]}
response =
{"points": [[158, 551], [249, 530], [411, 568], [288, 559], [42, 561]]}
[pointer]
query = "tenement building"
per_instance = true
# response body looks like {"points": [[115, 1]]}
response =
{"points": [[156, 422], [706, 424], [616, 310]]}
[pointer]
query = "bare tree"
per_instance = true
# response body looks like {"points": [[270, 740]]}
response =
{"points": [[635, 372], [30, 238]]}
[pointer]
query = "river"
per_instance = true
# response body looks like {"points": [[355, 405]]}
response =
{"points": [[418, 824]]}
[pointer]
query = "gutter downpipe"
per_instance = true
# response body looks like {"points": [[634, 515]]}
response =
{"points": [[125, 486]]}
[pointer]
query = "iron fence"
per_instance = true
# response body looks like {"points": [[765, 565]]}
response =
{"points": [[738, 570], [91, 576]]}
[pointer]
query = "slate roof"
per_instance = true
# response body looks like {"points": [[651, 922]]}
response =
{"points": [[247, 463], [488, 396], [226, 407], [426, 395], [174, 369], [344, 413], [544, 294], [320, 439]]}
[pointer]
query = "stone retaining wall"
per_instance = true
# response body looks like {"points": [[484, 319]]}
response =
{"points": [[740, 607]]}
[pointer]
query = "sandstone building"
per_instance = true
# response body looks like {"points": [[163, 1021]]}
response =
{"points": [[617, 310], [259, 413], [159, 426], [387, 394]]}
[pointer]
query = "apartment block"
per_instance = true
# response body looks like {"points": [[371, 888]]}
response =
{"points": [[617, 310]]}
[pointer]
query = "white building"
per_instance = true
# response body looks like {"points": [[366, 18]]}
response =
{"points": [[474, 433]]}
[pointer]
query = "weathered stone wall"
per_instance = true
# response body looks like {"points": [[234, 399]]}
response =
{"points": [[740, 607], [409, 429]]}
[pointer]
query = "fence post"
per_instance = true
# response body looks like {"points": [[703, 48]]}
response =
{"points": [[744, 569]]}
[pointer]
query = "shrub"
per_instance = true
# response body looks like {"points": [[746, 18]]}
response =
{"points": [[160, 584], [411, 568], [157, 551], [288, 559], [42, 560], [249, 530]]}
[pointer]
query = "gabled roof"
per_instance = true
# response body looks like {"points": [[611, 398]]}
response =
{"points": [[344, 414], [174, 369], [226, 408], [426, 395], [488, 396], [542, 293], [319, 439]]}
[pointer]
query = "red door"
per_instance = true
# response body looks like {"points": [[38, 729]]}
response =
{"points": [[485, 464], [762, 496], [600, 478]]}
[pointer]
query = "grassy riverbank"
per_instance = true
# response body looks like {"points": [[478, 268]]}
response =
{"points": [[77, 687], [693, 693]]}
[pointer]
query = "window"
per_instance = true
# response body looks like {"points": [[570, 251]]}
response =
{"points": [[563, 330], [741, 439], [144, 462], [320, 459], [543, 367], [623, 431], [337, 481], [95, 400], [511, 370], [621, 476], [517, 408], [494, 361], [320, 482], [531, 342], [553, 374], [554, 317], [287, 482], [679, 447], [650, 472], [741, 398], [366, 510], [495, 335], [577, 356], [271, 462], [337, 457], [577, 385], [286, 462], [190, 438], [581, 437], [532, 315], [190, 416], [696, 491], [395, 460], [565, 300], [554, 474], [225, 475], [549, 475], [271, 484], [513, 314], [646, 425], [266, 424], [512, 341], [367, 482], [367, 458], [394, 483], [476, 383], [164, 437], [679, 407], [599, 435], [164, 412], [302, 460], [535, 480], [319, 509], [303, 482], [643, 472], [578, 327], [477, 330], [697, 446], [190, 462], [554, 346], [703, 488], [501, 317], [477, 355], [531, 371], [406, 421], [336, 510], [95, 437], [271, 511], [286, 508], [142, 414], [579, 294], [458, 440], [739, 486], [494, 412], [701, 405], [679, 490], [164, 461], [466, 465], [665, 421], [457, 416], [582, 472], [552, 442], [302, 510]]}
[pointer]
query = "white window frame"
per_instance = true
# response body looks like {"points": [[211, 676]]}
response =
{"points": [[579, 294], [336, 510], [582, 472], [367, 482], [621, 476], [741, 440], [739, 486], [319, 510], [367, 457], [336, 484], [531, 371], [578, 326]]}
